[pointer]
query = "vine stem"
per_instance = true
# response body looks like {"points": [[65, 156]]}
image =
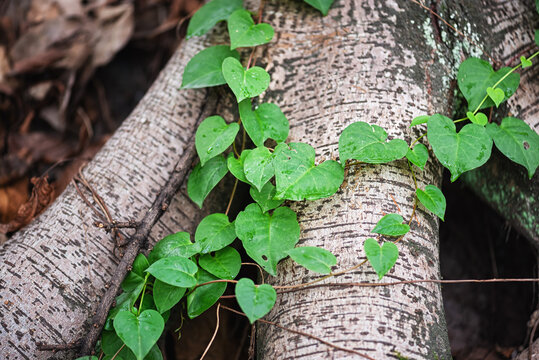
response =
{"points": [[117, 352], [259, 268], [214, 333], [231, 197], [330, 344]]}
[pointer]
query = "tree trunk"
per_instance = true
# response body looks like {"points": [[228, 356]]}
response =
{"points": [[374, 61]]}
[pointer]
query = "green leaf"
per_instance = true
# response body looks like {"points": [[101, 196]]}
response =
{"points": [[476, 75], [205, 68], [214, 233], [210, 14], [166, 296], [140, 265], [124, 302], [537, 37], [236, 165], [203, 179], [314, 258], [479, 118], [87, 357], [297, 177], [255, 300], [174, 270], [497, 95], [367, 143], [525, 62], [244, 33], [203, 297], [516, 140], [433, 199], [214, 136], [418, 155], [418, 120], [267, 238], [258, 167], [139, 333], [178, 244], [267, 121], [245, 83], [132, 281], [458, 152], [225, 263], [321, 5], [391, 225], [382, 258], [265, 196]]}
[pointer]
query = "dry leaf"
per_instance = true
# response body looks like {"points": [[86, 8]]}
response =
{"points": [[11, 198]]}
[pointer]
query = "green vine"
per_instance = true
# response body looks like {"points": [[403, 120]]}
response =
{"points": [[200, 271]]}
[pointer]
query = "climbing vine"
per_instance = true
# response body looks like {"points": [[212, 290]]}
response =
{"points": [[200, 271]]}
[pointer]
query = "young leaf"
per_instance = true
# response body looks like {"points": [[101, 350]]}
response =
{"points": [[132, 281], [267, 121], [166, 296], [367, 143], [174, 270], [210, 14], [391, 225], [178, 244], [516, 140], [458, 152], [203, 179], [124, 302], [433, 199], [214, 233], [139, 333], [225, 263], [314, 258], [140, 264], [236, 165], [244, 33], [297, 177], [321, 5], [245, 83], [382, 258], [265, 196], [497, 95], [418, 155], [214, 136], [258, 167], [267, 238], [479, 118], [418, 120], [476, 75], [255, 300], [525, 62], [87, 357], [205, 68], [203, 297]]}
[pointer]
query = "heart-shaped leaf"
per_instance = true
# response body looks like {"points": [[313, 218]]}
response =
{"points": [[255, 300], [139, 333], [214, 233], [203, 179], [203, 297], [382, 258], [458, 152], [124, 302], [265, 196], [476, 75], [479, 118], [418, 155], [391, 225], [213, 136], [525, 62], [418, 120], [267, 238], [210, 14], [178, 244], [267, 121], [297, 177], [166, 296], [245, 83], [433, 199], [244, 33], [367, 143], [225, 263], [321, 5], [314, 258], [236, 165], [496, 94], [516, 140], [174, 270], [205, 68], [258, 167]]}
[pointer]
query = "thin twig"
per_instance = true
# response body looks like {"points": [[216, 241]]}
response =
{"points": [[330, 344], [259, 268], [231, 197], [214, 333]]}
